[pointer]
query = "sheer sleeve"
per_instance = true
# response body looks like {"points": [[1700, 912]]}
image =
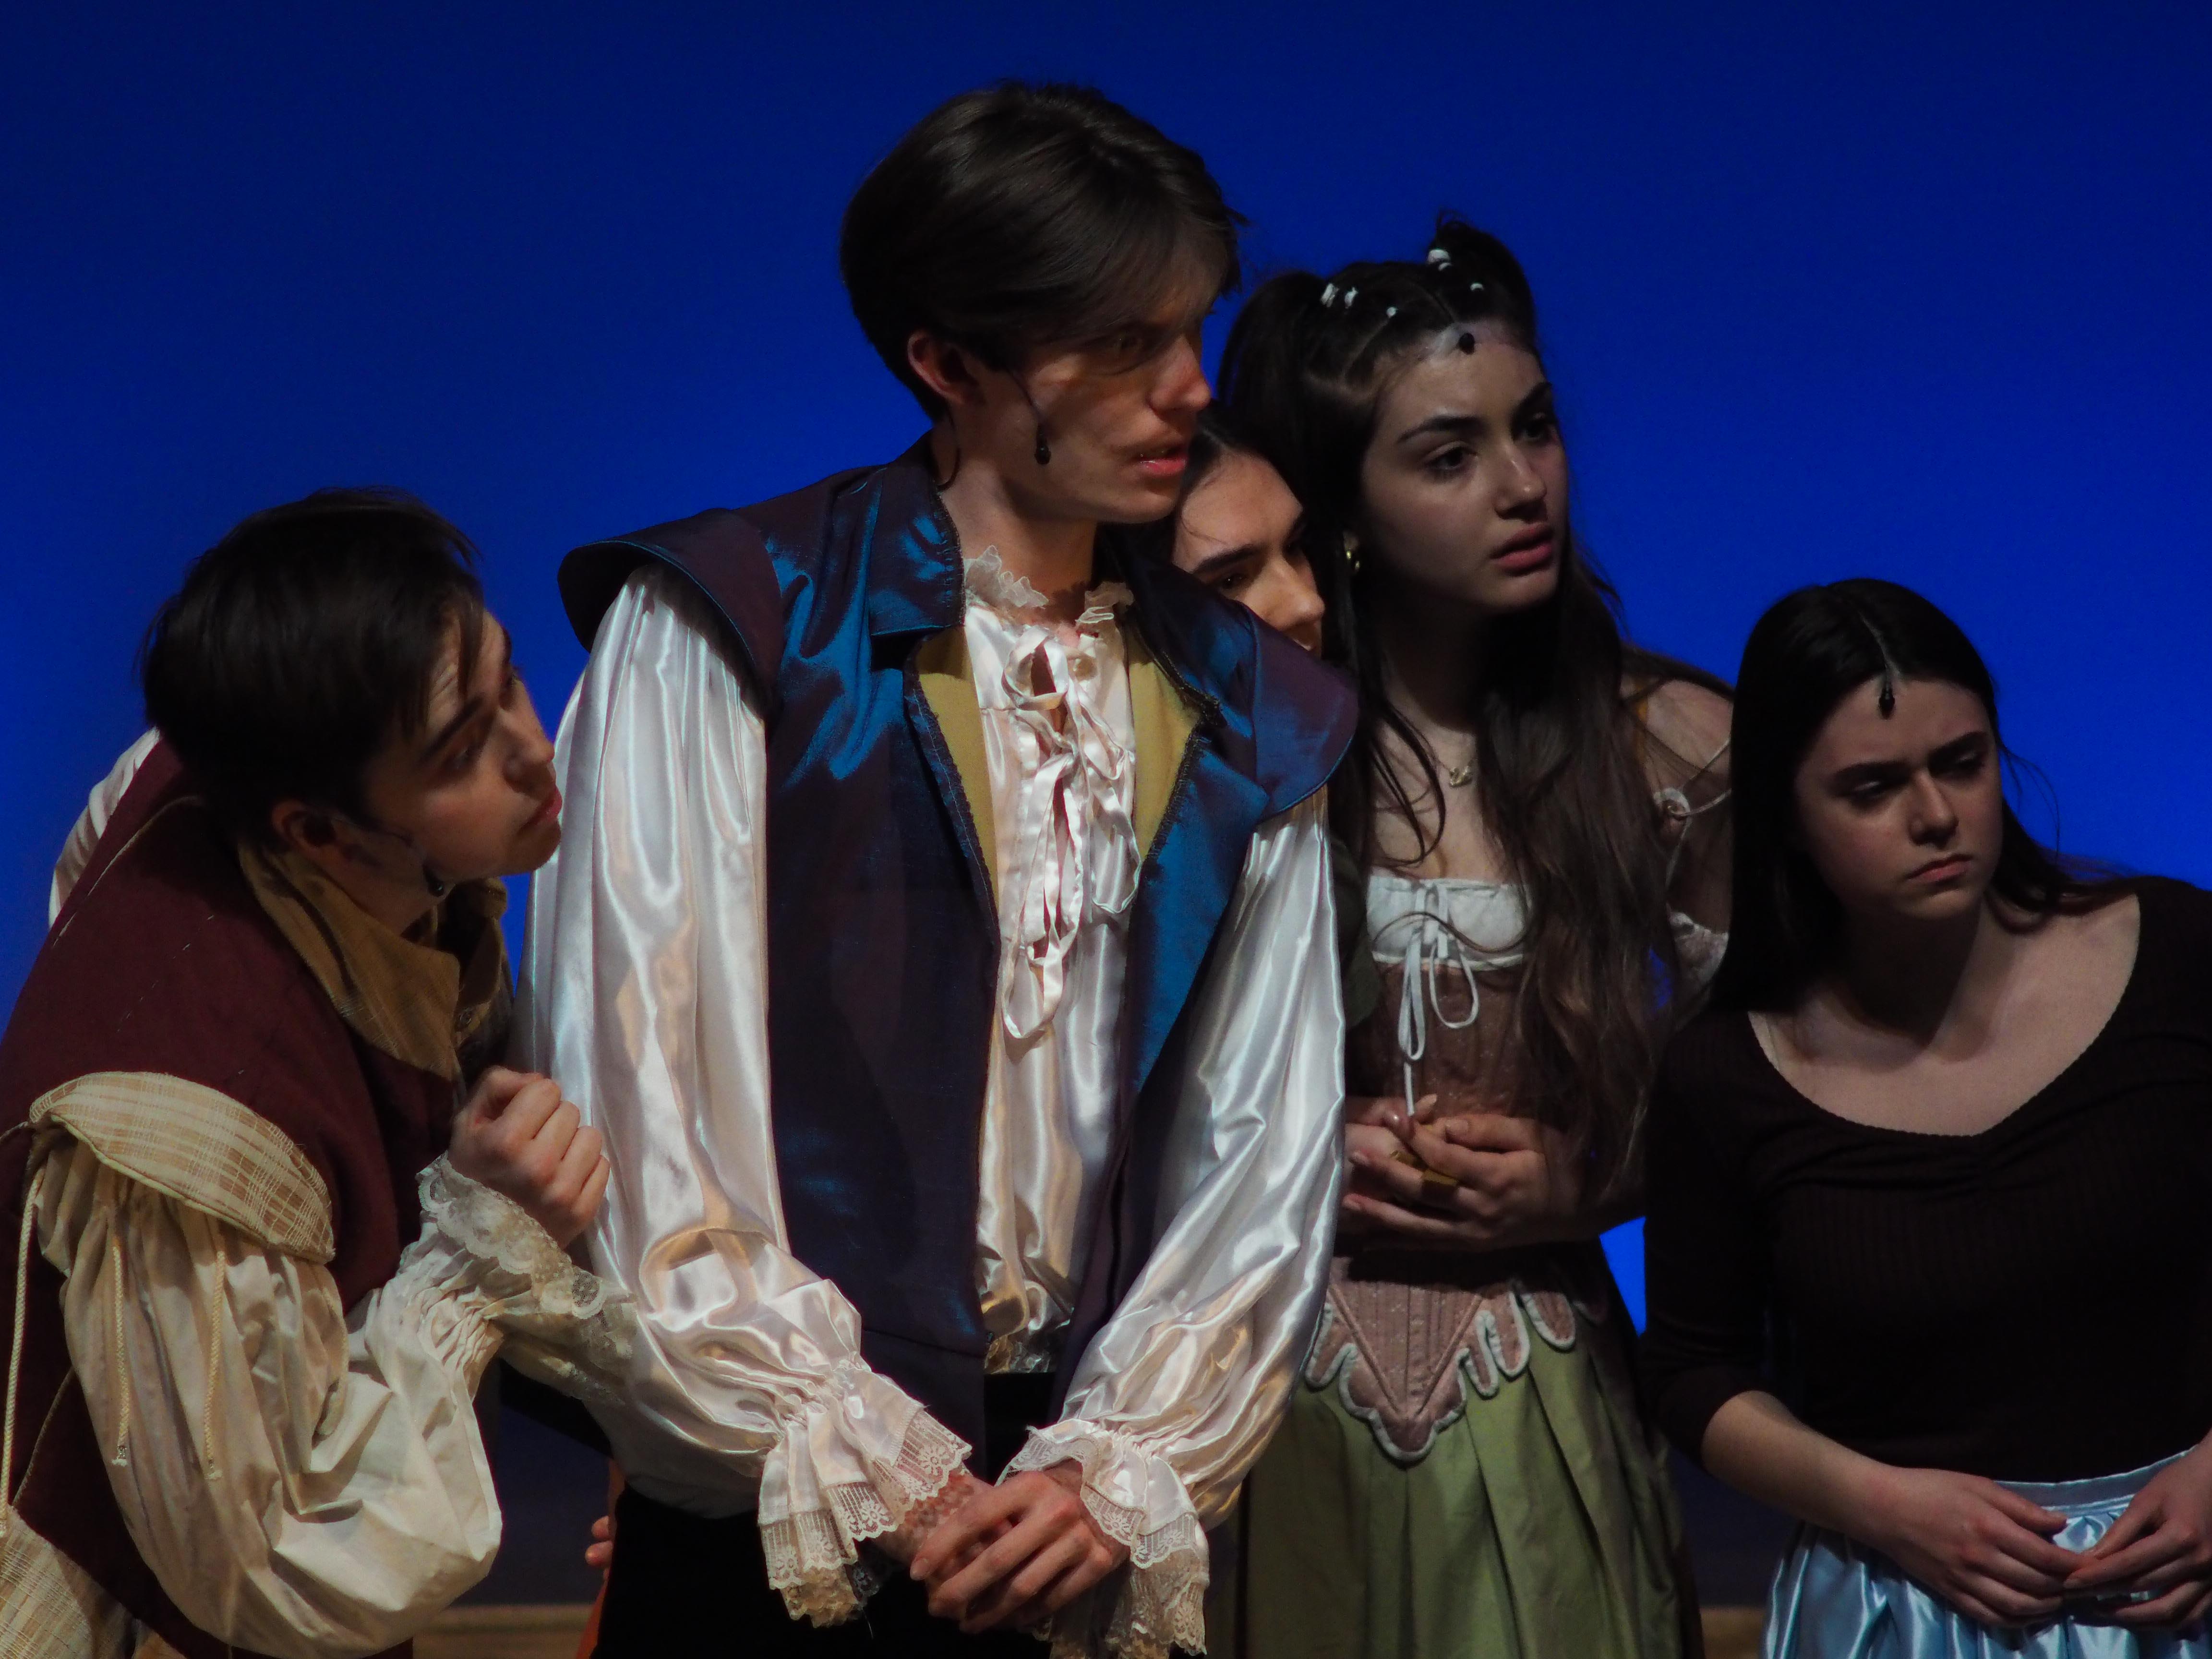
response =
{"points": [[1684, 744], [1177, 1397], [645, 994], [302, 1482]]}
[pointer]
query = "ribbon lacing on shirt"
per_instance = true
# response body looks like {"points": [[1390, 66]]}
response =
{"points": [[1075, 841]]}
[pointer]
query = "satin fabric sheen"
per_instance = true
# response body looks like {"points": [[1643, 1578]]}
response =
{"points": [[1835, 1599], [1059, 739], [645, 994], [301, 1476]]}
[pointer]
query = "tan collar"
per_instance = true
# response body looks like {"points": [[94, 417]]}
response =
{"points": [[1164, 720], [417, 1003]]}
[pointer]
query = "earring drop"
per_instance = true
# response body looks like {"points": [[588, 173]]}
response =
{"points": [[1352, 551], [1042, 453]]}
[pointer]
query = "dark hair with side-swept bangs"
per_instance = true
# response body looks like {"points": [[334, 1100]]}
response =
{"points": [[1218, 435], [305, 641], [1561, 777], [1810, 650], [1018, 216]]}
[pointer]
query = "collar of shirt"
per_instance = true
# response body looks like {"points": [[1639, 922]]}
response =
{"points": [[417, 1003]]}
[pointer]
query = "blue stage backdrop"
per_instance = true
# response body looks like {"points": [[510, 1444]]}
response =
{"points": [[1911, 290]]}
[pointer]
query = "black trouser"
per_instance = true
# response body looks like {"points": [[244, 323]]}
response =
{"points": [[682, 1586]]}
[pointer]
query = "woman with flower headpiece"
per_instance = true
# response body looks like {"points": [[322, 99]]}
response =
{"points": [[1464, 1468]]}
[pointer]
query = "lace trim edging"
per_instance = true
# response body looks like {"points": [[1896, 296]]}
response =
{"points": [[814, 1557], [987, 579], [1157, 1601], [560, 1323]]}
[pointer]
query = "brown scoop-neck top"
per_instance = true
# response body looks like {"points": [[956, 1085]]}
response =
{"points": [[2031, 1303]]}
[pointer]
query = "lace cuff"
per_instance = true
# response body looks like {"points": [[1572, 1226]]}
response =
{"points": [[1158, 1601], [855, 1460], [558, 1323]]}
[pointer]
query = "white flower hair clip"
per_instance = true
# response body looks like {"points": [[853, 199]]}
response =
{"points": [[1439, 258], [1329, 296]]}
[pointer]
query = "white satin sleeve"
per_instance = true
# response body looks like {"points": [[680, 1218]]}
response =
{"points": [[1177, 1396], [91, 823], [645, 992], [302, 1482]]}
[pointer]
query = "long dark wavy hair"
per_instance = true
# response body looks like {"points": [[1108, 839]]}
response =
{"points": [[1563, 788], [1811, 649]]}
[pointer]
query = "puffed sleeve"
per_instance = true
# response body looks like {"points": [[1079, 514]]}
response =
{"points": [[1177, 1396], [302, 1481], [645, 988]]}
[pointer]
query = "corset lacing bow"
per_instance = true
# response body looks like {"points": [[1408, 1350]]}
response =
{"points": [[1075, 841], [1406, 927], [1424, 943]]}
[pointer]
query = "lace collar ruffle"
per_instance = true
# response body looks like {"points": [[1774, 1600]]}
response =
{"points": [[1013, 596]]}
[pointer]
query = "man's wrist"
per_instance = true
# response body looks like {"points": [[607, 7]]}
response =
{"points": [[1067, 1472], [1068, 1475], [924, 1518]]}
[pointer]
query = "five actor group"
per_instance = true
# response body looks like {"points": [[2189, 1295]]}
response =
{"points": [[1090, 991]]}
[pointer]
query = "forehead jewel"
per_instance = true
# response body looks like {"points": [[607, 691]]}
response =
{"points": [[1885, 698]]}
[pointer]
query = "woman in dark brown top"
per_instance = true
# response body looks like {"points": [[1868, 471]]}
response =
{"points": [[1932, 1170]]}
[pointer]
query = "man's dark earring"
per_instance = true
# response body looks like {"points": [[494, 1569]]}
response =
{"points": [[1043, 449]]}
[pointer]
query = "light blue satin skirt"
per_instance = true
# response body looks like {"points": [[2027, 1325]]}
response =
{"points": [[1833, 1599]]}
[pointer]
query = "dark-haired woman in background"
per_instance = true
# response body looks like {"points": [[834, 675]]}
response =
{"points": [[1464, 1469], [1933, 1169], [1239, 530]]}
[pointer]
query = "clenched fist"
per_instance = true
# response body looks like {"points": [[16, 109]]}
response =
{"points": [[519, 1137]]}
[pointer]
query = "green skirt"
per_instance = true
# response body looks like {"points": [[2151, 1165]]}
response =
{"points": [[1538, 1523]]}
